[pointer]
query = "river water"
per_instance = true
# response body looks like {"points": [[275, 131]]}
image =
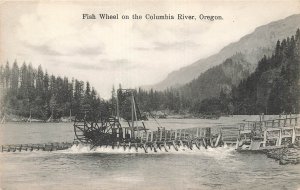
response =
{"points": [[104, 168]]}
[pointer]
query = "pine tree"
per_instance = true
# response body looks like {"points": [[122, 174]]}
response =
{"points": [[14, 78], [7, 75]]}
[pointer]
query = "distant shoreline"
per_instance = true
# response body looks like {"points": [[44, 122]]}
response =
{"points": [[175, 116]]}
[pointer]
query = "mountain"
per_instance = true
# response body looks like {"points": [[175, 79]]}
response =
{"points": [[252, 47], [214, 80]]}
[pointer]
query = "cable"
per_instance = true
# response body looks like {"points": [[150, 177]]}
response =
{"points": [[154, 119]]}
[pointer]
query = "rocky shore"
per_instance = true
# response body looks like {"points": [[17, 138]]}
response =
{"points": [[288, 155]]}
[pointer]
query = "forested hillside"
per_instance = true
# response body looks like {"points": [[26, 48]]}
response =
{"points": [[28, 91], [221, 77], [272, 88]]}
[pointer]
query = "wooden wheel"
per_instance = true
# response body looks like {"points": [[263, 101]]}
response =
{"points": [[95, 131]]}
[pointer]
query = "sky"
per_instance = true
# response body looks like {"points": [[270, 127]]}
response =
{"points": [[131, 52]]}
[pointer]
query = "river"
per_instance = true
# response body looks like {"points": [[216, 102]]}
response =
{"points": [[104, 168]]}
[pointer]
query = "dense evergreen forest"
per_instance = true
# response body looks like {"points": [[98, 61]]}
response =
{"points": [[273, 87], [27, 91]]}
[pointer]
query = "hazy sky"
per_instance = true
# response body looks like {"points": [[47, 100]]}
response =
{"points": [[131, 52]]}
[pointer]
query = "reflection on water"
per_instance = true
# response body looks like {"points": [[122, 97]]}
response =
{"points": [[104, 168]]}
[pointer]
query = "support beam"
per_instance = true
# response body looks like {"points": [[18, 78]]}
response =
{"points": [[180, 134], [145, 148], [197, 144], [190, 144], [155, 147], [160, 135], [165, 146], [181, 143], [293, 135], [204, 143], [265, 138], [174, 145], [151, 137], [280, 137], [147, 136], [218, 139]]}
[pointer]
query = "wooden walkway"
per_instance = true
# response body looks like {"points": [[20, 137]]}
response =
{"points": [[36, 147]]}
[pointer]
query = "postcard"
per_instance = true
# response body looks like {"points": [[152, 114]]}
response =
{"points": [[150, 94]]}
